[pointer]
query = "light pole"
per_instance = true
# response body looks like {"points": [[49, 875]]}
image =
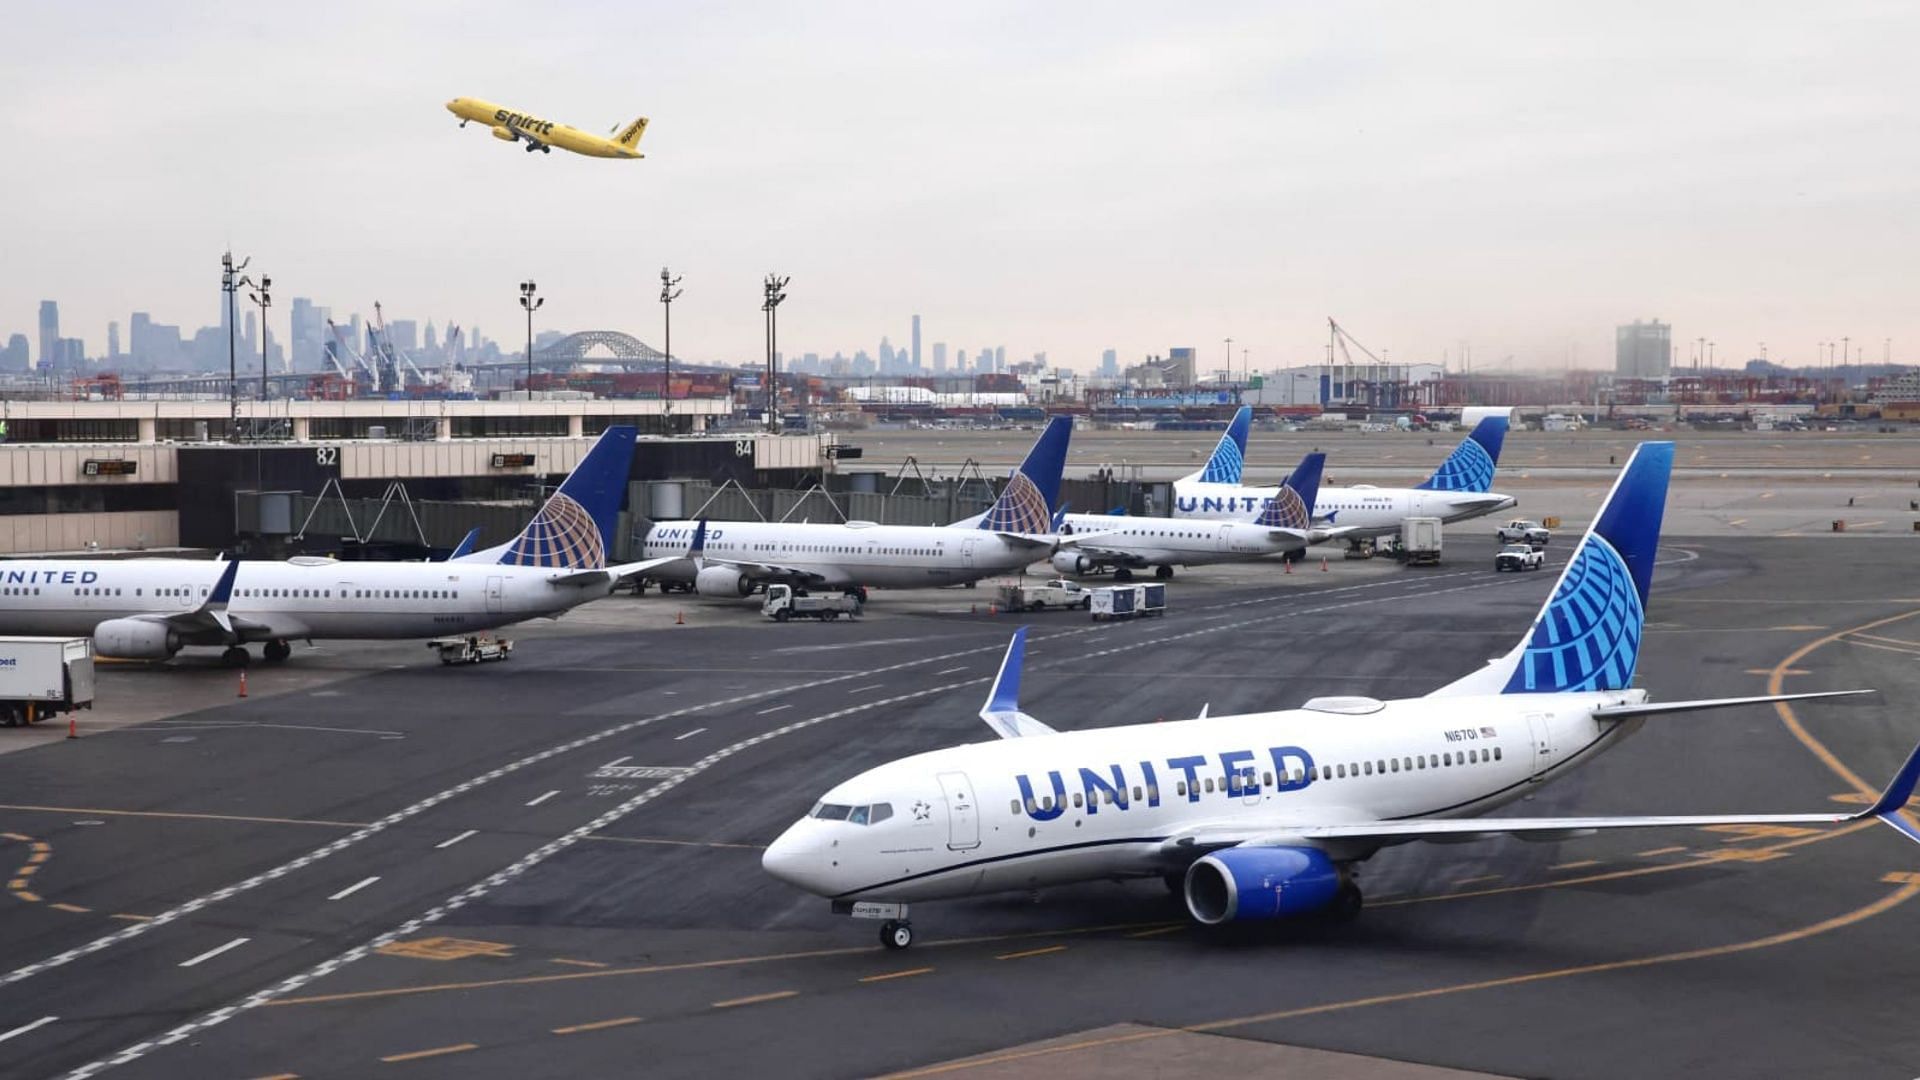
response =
{"points": [[669, 292], [229, 283], [1709, 356], [265, 301], [1229, 371], [532, 304], [775, 287]]}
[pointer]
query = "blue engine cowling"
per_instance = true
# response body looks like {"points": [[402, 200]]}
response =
{"points": [[1241, 884]]}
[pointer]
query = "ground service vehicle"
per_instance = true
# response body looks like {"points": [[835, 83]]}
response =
{"points": [[1114, 602], [1519, 557], [1522, 531], [471, 649], [781, 604], [1420, 541], [1058, 593], [41, 676], [1151, 601]]}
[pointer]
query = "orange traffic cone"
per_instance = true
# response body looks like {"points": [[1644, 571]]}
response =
{"points": [[993, 609], [1288, 563], [680, 618], [1323, 564], [973, 609], [243, 684], [73, 730]]}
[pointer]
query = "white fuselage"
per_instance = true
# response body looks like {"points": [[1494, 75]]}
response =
{"points": [[1116, 802], [1370, 511], [1173, 542], [849, 555], [284, 600]]}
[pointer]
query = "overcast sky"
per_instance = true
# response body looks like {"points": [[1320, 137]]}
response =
{"points": [[1059, 177]]}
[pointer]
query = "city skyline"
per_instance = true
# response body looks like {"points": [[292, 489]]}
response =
{"points": [[1064, 180]]}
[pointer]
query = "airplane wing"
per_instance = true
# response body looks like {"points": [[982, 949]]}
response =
{"points": [[1002, 710], [610, 574], [211, 616], [1104, 554], [1887, 808]]}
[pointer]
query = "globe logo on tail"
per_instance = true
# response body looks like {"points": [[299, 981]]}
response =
{"points": [[1285, 510], [1588, 637], [1225, 465], [1020, 509], [562, 535], [1468, 468]]}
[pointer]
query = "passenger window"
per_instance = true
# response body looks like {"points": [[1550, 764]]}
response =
{"points": [[1153, 792], [1369, 768], [1446, 759], [1496, 754], [1180, 787], [1267, 778], [1077, 804], [1209, 783], [1342, 770], [1407, 763], [1032, 807], [1473, 757], [1395, 763], [1136, 793]]}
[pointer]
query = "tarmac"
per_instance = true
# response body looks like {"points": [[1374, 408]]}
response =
{"points": [[375, 865]]}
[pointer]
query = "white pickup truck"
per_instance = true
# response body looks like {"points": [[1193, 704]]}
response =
{"points": [[1519, 557], [1058, 594], [1522, 531]]}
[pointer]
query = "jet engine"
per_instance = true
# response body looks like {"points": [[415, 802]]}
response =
{"points": [[504, 134], [1067, 562], [1253, 883], [721, 581], [135, 639]]}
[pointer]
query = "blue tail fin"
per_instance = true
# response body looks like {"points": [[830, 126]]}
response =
{"points": [[1587, 635], [1033, 492], [1292, 506], [574, 530], [1230, 457], [1470, 466]]}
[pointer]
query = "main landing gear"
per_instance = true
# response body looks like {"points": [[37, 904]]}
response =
{"points": [[276, 651], [1163, 572], [236, 656]]}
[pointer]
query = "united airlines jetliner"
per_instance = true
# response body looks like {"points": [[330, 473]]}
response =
{"points": [[1135, 543], [1018, 529], [1459, 489], [149, 609], [1269, 815]]}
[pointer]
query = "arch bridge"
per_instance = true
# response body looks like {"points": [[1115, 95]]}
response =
{"points": [[574, 348]]}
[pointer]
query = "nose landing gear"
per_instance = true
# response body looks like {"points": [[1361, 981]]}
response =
{"points": [[896, 934]]}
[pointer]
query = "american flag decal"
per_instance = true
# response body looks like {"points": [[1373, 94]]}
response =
{"points": [[1488, 733]]}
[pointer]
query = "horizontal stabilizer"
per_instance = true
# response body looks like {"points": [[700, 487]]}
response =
{"points": [[1657, 708]]}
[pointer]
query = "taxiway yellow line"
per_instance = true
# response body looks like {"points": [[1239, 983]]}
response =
{"points": [[1661, 851], [597, 1025], [185, 816], [886, 975], [755, 999], [579, 963], [1024, 953], [438, 1051]]}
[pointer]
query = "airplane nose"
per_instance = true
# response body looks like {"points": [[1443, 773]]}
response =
{"points": [[792, 859]]}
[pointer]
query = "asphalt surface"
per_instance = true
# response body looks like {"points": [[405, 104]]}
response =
{"points": [[550, 866]]}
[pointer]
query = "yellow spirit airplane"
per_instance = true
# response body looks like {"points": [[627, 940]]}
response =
{"points": [[544, 135]]}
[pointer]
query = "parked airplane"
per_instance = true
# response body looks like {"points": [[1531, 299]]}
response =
{"points": [[544, 135], [1459, 489], [1266, 815], [739, 556], [149, 609], [1134, 543]]}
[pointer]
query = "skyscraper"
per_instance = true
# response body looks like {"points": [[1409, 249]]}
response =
{"points": [[1643, 350], [1110, 364], [307, 328], [113, 341], [49, 331], [916, 343], [939, 357]]}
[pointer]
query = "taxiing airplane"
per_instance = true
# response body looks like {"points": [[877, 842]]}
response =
{"points": [[1267, 815], [149, 609], [739, 556], [543, 135], [1136, 543], [1460, 488]]}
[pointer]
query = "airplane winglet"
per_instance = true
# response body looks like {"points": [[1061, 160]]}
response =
{"points": [[1002, 710], [223, 589], [697, 546], [465, 546], [1892, 800]]}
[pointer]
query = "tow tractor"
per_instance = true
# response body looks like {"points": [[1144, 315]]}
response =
{"points": [[471, 650], [781, 604]]}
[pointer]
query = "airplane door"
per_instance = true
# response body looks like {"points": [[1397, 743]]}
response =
{"points": [[496, 602], [966, 553], [1223, 538], [1540, 728], [963, 818]]}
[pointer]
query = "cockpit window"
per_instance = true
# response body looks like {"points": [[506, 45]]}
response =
{"points": [[857, 815]]}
